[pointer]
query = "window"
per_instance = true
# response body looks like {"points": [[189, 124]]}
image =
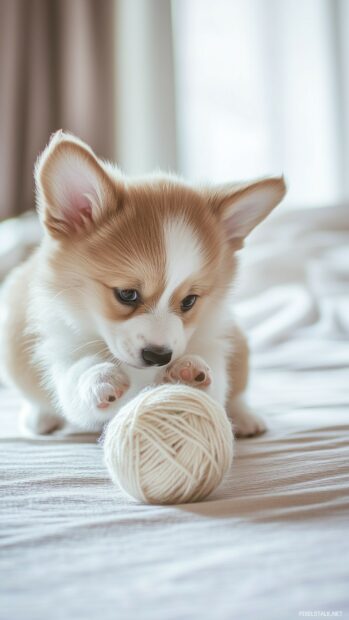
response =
{"points": [[260, 91]]}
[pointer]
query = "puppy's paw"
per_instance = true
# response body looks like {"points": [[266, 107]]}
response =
{"points": [[34, 421], [245, 423], [189, 369], [102, 385], [249, 425]]}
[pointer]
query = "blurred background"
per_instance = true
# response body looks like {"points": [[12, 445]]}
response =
{"points": [[220, 91]]}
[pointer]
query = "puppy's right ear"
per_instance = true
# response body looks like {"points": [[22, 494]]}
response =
{"points": [[73, 189]]}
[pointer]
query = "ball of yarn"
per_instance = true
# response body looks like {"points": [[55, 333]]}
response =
{"points": [[170, 444]]}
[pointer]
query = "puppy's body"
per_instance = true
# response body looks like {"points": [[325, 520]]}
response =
{"points": [[128, 275]]}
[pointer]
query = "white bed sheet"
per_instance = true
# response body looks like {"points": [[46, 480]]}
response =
{"points": [[272, 542]]}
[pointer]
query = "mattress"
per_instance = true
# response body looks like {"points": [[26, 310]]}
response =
{"points": [[272, 541]]}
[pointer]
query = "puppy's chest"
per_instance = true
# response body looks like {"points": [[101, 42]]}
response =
{"points": [[140, 378]]}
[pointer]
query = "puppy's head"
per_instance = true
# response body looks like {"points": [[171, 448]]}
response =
{"points": [[140, 262]]}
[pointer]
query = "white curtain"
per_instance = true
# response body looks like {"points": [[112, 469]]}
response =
{"points": [[262, 86], [145, 115]]}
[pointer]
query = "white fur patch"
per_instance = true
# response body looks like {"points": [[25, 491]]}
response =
{"points": [[183, 256]]}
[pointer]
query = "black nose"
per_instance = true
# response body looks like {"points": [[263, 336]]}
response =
{"points": [[156, 356]]}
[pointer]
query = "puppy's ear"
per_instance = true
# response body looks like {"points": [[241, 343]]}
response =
{"points": [[73, 189], [241, 207]]}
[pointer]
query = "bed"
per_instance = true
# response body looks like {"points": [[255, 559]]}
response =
{"points": [[272, 541]]}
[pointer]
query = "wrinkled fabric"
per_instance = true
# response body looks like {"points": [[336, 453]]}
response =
{"points": [[272, 541]]}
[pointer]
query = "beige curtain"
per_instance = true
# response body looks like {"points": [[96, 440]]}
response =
{"points": [[56, 71], [146, 123]]}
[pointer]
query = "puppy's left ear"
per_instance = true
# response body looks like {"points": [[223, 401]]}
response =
{"points": [[241, 207]]}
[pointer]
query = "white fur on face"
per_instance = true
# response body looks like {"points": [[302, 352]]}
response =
{"points": [[161, 327], [145, 330], [183, 257]]}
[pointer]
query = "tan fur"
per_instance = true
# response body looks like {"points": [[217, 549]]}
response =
{"points": [[112, 255], [238, 363]]}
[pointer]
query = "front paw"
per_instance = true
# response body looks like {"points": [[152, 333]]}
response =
{"points": [[102, 385], [245, 423], [189, 369]]}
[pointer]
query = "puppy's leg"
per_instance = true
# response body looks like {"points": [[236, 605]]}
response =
{"points": [[34, 419], [223, 375], [245, 423], [203, 366], [89, 391]]}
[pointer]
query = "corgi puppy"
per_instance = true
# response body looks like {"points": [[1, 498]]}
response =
{"points": [[131, 286]]}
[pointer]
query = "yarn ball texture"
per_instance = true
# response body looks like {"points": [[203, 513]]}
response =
{"points": [[170, 444]]}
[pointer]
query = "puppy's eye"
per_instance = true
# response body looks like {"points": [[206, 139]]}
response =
{"points": [[188, 302], [127, 296]]}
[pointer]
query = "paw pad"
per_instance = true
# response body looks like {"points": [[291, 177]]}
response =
{"points": [[191, 370], [102, 385], [200, 377]]}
